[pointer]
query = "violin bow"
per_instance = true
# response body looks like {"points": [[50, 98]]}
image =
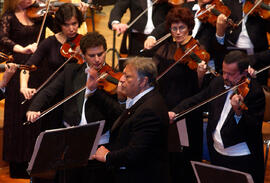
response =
{"points": [[179, 115], [43, 21], [255, 6], [51, 76], [139, 16], [159, 41], [171, 66], [64, 100]]}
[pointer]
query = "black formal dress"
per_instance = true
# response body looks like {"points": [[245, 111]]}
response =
{"points": [[248, 129], [19, 140], [138, 141]]}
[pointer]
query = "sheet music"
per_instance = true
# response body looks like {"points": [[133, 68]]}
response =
{"points": [[182, 131], [94, 149]]}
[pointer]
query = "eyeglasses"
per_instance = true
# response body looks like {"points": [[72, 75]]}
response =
{"points": [[97, 54], [181, 28]]}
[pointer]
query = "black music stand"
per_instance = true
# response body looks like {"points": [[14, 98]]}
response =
{"points": [[63, 149], [206, 173]]}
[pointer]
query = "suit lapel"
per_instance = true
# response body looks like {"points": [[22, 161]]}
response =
{"points": [[128, 112], [143, 4]]}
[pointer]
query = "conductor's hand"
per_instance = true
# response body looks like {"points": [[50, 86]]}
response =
{"points": [[119, 27], [32, 116], [171, 116], [149, 43], [92, 80], [28, 92], [101, 154]]}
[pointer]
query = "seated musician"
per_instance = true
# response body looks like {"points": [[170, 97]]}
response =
{"points": [[81, 109], [234, 131]]}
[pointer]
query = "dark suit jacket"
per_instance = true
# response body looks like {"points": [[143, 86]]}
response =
{"points": [[138, 141], [136, 7], [67, 82], [2, 95], [249, 127]]}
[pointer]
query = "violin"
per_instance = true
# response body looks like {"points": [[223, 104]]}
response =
{"points": [[210, 12], [196, 56], [71, 49], [38, 9], [242, 90], [109, 83], [261, 7], [9, 58]]}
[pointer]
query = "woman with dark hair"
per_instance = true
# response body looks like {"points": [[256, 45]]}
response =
{"points": [[177, 84]]}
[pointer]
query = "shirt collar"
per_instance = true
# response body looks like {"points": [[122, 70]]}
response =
{"points": [[130, 102]]}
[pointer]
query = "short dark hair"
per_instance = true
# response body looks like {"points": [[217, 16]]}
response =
{"points": [[91, 40], [145, 67], [178, 14], [239, 57], [66, 12]]}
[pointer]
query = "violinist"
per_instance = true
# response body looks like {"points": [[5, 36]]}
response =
{"points": [[17, 37], [250, 35], [233, 133], [81, 109], [179, 83], [138, 32]]}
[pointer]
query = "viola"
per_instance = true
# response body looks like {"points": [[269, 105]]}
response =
{"points": [[261, 7], [109, 83], [196, 55], [38, 9], [71, 49], [210, 12]]}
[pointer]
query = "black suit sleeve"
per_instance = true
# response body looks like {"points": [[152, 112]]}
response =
{"points": [[118, 10]]}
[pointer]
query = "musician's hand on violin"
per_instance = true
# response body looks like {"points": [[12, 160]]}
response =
{"points": [[83, 7], [119, 27], [92, 81], [171, 116], [221, 25], [28, 92], [149, 43], [32, 116], [10, 69], [236, 101], [251, 72], [201, 69]]}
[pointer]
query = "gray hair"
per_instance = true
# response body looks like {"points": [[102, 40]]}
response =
{"points": [[145, 67]]}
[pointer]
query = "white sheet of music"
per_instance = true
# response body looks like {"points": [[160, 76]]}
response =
{"points": [[182, 131]]}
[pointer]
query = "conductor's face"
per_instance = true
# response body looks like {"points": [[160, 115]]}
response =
{"points": [[131, 82], [95, 57]]}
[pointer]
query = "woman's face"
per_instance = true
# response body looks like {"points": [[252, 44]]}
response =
{"points": [[70, 28], [179, 32], [25, 3]]}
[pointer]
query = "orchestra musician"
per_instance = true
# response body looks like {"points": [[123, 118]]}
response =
{"points": [[233, 133], [18, 36], [177, 84], [250, 36], [138, 32], [81, 109]]}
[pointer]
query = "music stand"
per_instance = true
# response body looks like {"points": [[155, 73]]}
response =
{"points": [[63, 149], [206, 173]]}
